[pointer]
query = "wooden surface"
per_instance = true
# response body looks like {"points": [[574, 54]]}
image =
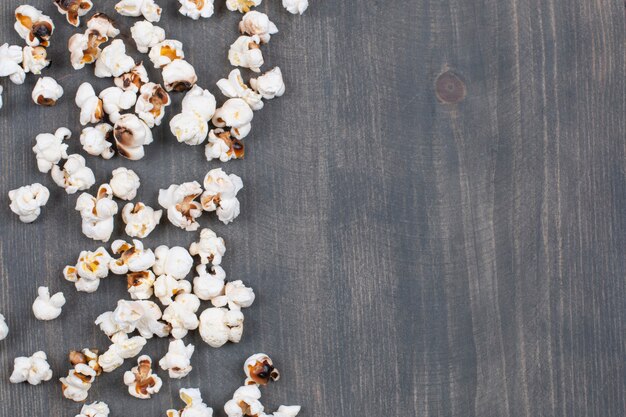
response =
{"points": [[421, 245]]}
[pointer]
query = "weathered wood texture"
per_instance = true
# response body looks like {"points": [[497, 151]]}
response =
{"points": [[412, 256]]}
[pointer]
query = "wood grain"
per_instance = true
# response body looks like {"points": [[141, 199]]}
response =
{"points": [[432, 218]]}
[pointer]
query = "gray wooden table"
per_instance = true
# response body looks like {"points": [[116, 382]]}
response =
{"points": [[432, 219]]}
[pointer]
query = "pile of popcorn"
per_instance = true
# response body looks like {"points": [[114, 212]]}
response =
{"points": [[162, 301]]}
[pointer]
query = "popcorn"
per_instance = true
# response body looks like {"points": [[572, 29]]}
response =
{"points": [[234, 87], [28, 200], [128, 316], [125, 183], [196, 9], [223, 146], [50, 148], [97, 409], [91, 110], [181, 315], [219, 326], [296, 6], [133, 258], [102, 25], [209, 285], [46, 92], [221, 194], [122, 348], [90, 268], [194, 406], [245, 402], [115, 100], [179, 76], [87, 357], [78, 382], [84, 48], [10, 59], [191, 125], [4, 329], [74, 175], [270, 84], [236, 114], [34, 369], [97, 213], [96, 141], [152, 103], [246, 52], [175, 261], [285, 411], [210, 247], [182, 210], [135, 8], [113, 61], [146, 35], [166, 287], [35, 59], [141, 382], [133, 80], [260, 370], [140, 219], [73, 9], [236, 296], [131, 135], [166, 52], [242, 6], [48, 307], [177, 361], [257, 23], [140, 285], [33, 26]]}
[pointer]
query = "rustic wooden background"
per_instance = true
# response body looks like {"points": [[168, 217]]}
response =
{"points": [[432, 219]]}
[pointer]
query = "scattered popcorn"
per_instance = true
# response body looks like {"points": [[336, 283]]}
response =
{"points": [[221, 194], [97, 213], [166, 52], [236, 296], [177, 361], [102, 25], [113, 61], [167, 287], [140, 219], [128, 316], [77, 383], [35, 59], [191, 125], [175, 261], [146, 35], [245, 402], [246, 52], [33, 26], [140, 284], [133, 258], [115, 100], [135, 8], [131, 135], [182, 209], [133, 80], [84, 48], [179, 76], [87, 357], [285, 411], [96, 141], [223, 146], [209, 285], [91, 110], [141, 382], [151, 104], [257, 23], [4, 329], [74, 175], [270, 84], [194, 406], [28, 200], [122, 348], [210, 247], [296, 6], [234, 87], [260, 370], [33, 370], [236, 114], [48, 307], [10, 59], [47, 92], [50, 148], [196, 9], [181, 315], [97, 409], [73, 9], [90, 268], [242, 6], [125, 183], [219, 326]]}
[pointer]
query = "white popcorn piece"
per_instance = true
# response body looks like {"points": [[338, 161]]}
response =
{"points": [[285, 411], [177, 360], [210, 248], [125, 183], [166, 52], [77, 383], [219, 326], [140, 219], [191, 125], [196, 9], [209, 285], [175, 261], [270, 84], [242, 6], [10, 59], [97, 213], [4, 329], [96, 409], [182, 209], [194, 406], [181, 315], [28, 200], [128, 316], [90, 268], [132, 257], [73, 9], [236, 296], [146, 35], [246, 52], [47, 92], [179, 76], [113, 61], [33, 26], [140, 285], [141, 382], [135, 8], [257, 23], [35, 59], [97, 141], [236, 114], [122, 348], [87, 357], [167, 287], [103, 25], [50, 148], [84, 49], [74, 175], [260, 370], [131, 135], [91, 107], [48, 307], [223, 146], [133, 80], [151, 104], [34, 369], [245, 402], [296, 6], [115, 100], [220, 194], [235, 87]]}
